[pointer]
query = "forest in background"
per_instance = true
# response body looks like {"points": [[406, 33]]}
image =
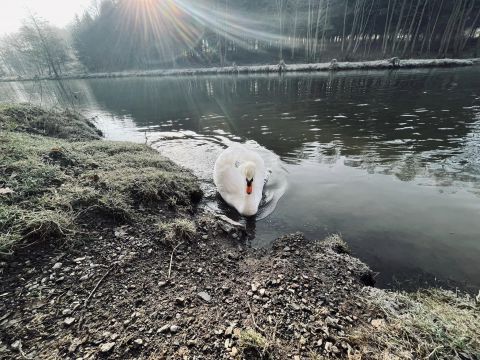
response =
{"points": [[118, 35]]}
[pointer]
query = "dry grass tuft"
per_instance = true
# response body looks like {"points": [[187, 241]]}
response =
{"points": [[36, 120], [177, 231], [434, 324], [253, 345], [338, 245]]}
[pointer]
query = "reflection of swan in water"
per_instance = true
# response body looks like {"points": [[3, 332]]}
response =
{"points": [[239, 175]]}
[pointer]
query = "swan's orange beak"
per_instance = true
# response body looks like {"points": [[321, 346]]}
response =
{"points": [[249, 189]]}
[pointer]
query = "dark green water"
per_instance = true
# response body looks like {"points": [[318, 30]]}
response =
{"points": [[389, 159]]}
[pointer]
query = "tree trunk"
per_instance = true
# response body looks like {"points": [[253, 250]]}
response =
{"points": [[397, 28], [344, 23], [418, 27], [432, 35], [319, 12]]}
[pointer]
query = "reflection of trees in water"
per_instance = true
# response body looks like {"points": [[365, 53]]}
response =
{"points": [[383, 121]]}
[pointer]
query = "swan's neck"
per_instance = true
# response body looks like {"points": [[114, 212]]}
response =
{"points": [[250, 206]]}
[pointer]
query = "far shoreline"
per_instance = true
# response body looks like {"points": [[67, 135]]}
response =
{"points": [[386, 64]]}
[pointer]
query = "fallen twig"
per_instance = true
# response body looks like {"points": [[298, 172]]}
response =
{"points": [[96, 286], [253, 319], [171, 259], [434, 351]]}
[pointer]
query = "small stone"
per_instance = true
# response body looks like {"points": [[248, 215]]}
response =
{"points": [[204, 296], [17, 345], [229, 331], [138, 342], [254, 287], [262, 292], [328, 346], [296, 357], [205, 237], [180, 300], [69, 321], [162, 284], [234, 351], [106, 347], [295, 307], [192, 343], [163, 329], [67, 312], [174, 329], [228, 344], [57, 265], [232, 256]]}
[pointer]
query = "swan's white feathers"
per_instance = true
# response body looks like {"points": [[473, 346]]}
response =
{"points": [[230, 179]]}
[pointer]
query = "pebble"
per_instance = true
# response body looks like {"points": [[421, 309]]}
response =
{"points": [[69, 321], [229, 331], [234, 351], [163, 329], [180, 300], [192, 343], [174, 328], [328, 346], [254, 287], [138, 342], [106, 347], [162, 284], [204, 296], [17, 345], [57, 265]]}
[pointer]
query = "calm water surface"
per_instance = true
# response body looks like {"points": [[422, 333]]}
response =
{"points": [[389, 159]]}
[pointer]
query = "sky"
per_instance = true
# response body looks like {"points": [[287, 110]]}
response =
{"points": [[57, 12]]}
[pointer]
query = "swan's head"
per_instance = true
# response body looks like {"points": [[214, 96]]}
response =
{"points": [[248, 170]]}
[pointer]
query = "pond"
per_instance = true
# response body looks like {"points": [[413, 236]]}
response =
{"points": [[388, 159]]}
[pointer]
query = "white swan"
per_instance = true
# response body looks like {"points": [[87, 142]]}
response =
{"points": [[239, 175]]}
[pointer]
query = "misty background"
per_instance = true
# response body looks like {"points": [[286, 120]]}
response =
{"points": [[115, 35]]}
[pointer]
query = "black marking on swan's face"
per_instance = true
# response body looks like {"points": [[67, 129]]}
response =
{"points": [[249, 182]]}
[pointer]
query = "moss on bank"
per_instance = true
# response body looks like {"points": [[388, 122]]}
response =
{"points": [[56, 174]]}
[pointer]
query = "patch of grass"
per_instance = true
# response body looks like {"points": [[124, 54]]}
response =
{"points": [[253, 345], [338, 245], [177, 231], [434, 324], [19, 225], [61, 124], [56, 185]]}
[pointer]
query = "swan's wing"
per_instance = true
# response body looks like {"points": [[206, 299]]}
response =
{"points": [[227, 176]]}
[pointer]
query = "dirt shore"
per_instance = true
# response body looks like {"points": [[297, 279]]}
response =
{"points": [[105, 255]]}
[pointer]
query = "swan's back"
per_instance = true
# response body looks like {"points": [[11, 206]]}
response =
{"points": [[230, 182]]}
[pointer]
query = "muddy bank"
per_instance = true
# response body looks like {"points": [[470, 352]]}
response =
{"points": [[334, 65], [136, 271]]}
